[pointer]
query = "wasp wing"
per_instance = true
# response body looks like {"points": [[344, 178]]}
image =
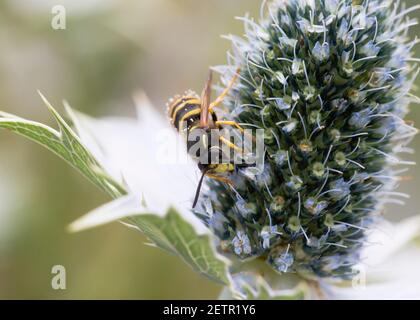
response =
{"points": [[205, 102]]}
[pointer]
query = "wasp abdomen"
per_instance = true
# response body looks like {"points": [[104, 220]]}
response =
{"points": [[185, 113]]}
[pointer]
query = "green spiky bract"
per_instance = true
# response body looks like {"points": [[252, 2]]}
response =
{"points": [[329, 83]]}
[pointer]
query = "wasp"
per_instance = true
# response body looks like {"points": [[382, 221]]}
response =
{"points": [[189, 113]]}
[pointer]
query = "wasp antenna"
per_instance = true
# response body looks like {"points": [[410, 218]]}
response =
{"points": [[197, 193]]}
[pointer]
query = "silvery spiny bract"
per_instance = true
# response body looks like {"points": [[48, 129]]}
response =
{"points": [[329, 83]]}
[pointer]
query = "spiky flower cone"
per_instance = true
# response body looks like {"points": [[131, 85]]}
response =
{"points": [[329, 83]]}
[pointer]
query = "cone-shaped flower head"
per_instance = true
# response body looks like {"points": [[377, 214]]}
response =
{"points": [[328, 82]]}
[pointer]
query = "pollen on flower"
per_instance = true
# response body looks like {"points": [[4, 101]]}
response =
{"points": [[329, 83], [314, 206], [277, 204]]}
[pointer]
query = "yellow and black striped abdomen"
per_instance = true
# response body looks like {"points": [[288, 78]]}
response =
{"points": [[185, 113]]}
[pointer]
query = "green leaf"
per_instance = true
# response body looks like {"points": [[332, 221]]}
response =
{"points": [[171, 232], [64, 143], [177, 236]]}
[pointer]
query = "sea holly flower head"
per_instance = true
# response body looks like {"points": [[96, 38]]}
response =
{"points": [[333, 102], [328, 82]]}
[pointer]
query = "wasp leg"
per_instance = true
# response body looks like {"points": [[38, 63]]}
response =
{"points": [[219, 178], [220, 98], [230, 123], [230, 144], [234, 124]]}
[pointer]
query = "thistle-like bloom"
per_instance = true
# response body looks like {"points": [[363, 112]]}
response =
{"points": [[328, 82]]}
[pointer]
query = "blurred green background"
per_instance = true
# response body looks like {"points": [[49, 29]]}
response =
{"points": [[109, 50]]}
